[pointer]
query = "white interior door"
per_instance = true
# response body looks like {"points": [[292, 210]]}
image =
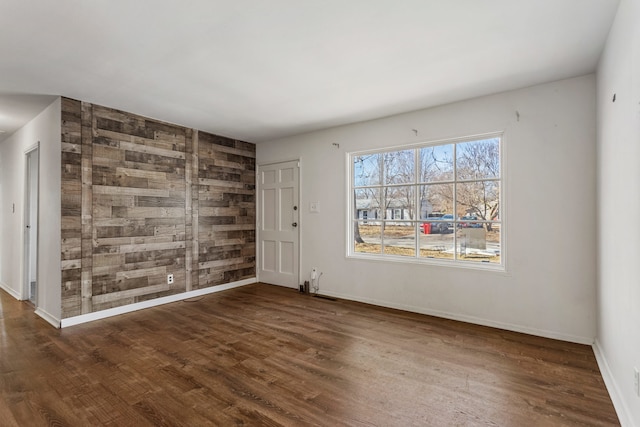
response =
{"points": [[31, 225], [278, 213]]}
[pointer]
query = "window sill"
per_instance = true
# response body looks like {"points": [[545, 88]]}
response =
{"points": [[464, 265]]}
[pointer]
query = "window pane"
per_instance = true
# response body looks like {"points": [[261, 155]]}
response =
{"points": [[367, 170], [479, 242], [478, 200], [435, 243], [367, 236], [442, 201], [478, 159], [436, 163], [367, 203], [399, 202], [399, 239], [399, 167], [435, 200]]}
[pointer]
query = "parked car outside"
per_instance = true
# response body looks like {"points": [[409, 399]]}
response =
{"points": [[442, 226], [463, 224]]}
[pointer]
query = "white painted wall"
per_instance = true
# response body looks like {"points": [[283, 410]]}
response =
{"points": [[618, 150], [46, 129], [549, 288]]}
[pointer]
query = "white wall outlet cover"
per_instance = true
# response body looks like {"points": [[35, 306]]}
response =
{"points": [[314, 207], [169, 279]]}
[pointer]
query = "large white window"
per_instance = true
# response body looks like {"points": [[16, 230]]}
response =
{"points": [[438, 202]]}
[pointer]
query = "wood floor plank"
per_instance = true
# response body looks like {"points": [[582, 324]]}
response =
{"points": [[269, 356]]}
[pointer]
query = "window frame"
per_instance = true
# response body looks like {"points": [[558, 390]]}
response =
{"points": [[417, 221]]}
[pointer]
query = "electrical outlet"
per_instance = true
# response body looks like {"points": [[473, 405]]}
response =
{"points": [[169, 279], [636, 381]]}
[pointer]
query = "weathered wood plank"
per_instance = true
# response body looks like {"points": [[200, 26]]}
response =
{"points": [[87, 207], [238, 189], [115, 296], [160, 140], [145, 149], [120, 191], [205, 231], [223, 185], [211, 148], [153, 201], [147, 212], [220, 263], [167, 263], [117, 242], [70, 148], [71, 264], [118, 222], [108, 155], [143, 272], [152, 247], [215, 211], [101, 260], [111, 200], [137, 173]]}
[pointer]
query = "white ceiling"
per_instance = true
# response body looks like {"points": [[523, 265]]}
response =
{"points": [[263, 69]]}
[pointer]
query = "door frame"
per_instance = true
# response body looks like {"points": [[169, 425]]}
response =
{"points": [[27, 249], [259, 215]]}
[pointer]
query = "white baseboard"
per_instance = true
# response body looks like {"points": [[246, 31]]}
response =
{"points": [[623, 412], [468, 319], [54, 321], [103, 314], [11, 291]]}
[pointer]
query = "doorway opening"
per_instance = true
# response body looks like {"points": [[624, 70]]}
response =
{"points": [[32, 170]]}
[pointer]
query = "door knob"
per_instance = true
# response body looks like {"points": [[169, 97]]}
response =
{"points": [[295, 224]]}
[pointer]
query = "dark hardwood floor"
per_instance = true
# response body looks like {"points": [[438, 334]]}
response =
{"points": [[264, 355]]}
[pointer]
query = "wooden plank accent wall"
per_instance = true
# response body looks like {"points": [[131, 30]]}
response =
{"points": [[142, 199], [226, 210]]}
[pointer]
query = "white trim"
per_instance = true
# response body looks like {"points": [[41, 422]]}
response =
{"points": [[103, 314], [54, 321], [11, 291], [276, 163], [468, 319], [31, 148], [432, 142], [473, 265], [624, 415]]}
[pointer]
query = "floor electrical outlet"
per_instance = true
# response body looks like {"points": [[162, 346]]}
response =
{"points": [[169, 279]]}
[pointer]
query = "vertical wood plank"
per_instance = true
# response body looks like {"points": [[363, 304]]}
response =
{"points": [[71, 206], [87, 207], [189, 210], [195, 213]]}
